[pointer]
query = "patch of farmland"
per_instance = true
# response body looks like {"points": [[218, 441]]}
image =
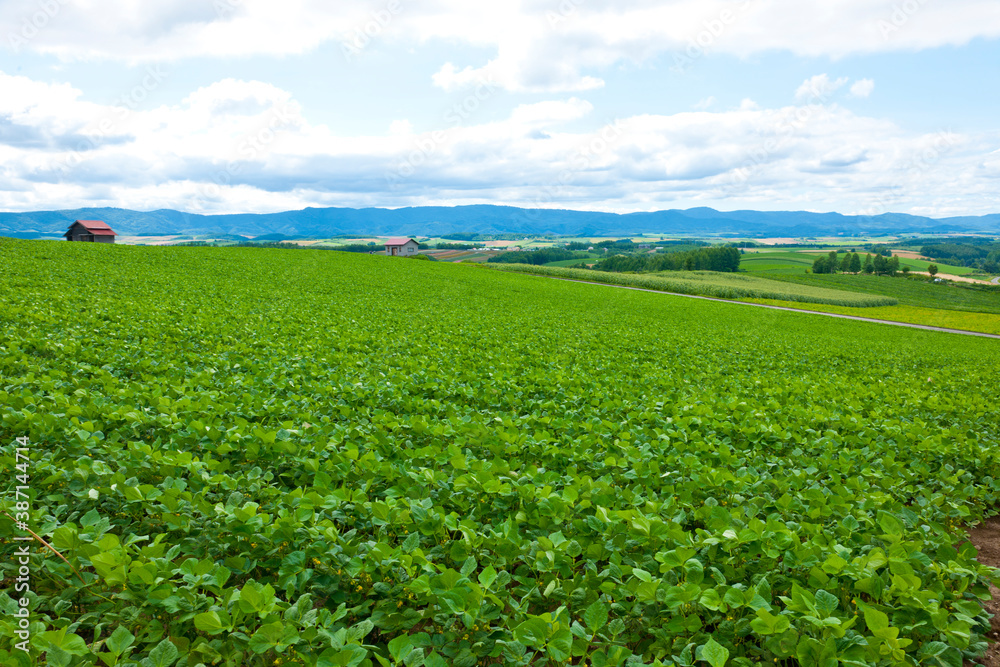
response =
{"points": [[709, 283], [252, 456], [908, 291]]}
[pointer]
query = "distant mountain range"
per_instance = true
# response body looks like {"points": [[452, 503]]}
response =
{"points": [[439, 221]]}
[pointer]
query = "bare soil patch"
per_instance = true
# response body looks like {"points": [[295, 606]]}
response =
{"points": [[986, 538], [948, 276]]}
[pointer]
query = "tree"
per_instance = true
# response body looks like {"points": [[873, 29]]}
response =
{"points": [[932, 269], [906, 270], [821, 264], [892, 266], [855, 262], [832, 261], [869, 266], [845, 264]]}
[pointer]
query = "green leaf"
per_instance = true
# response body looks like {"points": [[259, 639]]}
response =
{"points": [[876, 621], [812, 653], [209, 622], [64, 640], [400, 647], [713, 653], [642, 575], [890, 524], [415, 658], [596, 616], [826, 603], [710, 599], [411, 542], [487, 577], [163, 654], [256, 598], [560, 645], [767, 623], [276, 636], [119, 640], [532, 632], [349, 656], [435, 660], [939, 654]]}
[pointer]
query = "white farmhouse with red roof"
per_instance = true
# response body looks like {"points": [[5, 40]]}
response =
{"points": [[94, 231], [403, 246]]}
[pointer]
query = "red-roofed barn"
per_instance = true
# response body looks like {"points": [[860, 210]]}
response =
{"points": [[401, 246], [94, 231]]}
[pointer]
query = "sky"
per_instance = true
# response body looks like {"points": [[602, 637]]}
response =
{"points": [[226, 106]]}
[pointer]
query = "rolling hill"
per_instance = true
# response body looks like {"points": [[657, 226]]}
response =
{"points": [[438, 221]]}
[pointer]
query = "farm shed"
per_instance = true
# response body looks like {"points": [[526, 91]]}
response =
{"points": [[401, 246], [93, 231]]}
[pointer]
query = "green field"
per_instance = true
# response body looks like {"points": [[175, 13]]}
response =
{"points": [[593, 257], [776, 262], [910, 292], [710, 283], [935, 317], [793, 262], [258, 457]]}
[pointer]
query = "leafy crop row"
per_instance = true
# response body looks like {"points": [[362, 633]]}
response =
{"points": [[258, 458], [709, 283]]}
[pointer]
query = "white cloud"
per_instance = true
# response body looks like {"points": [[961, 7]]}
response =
{"points": [[401, 128], [818, 89], [862, 88], [533, 50], [706, 103], [546, 113], [245, 146]]}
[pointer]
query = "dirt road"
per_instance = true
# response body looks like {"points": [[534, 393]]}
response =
{"points": [[948, 276], [792, 310]]}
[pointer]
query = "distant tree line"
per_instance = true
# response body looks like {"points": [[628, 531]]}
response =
{"points": [[703, 259], [357, 247], [536, 257], [455, 246], [985, 256], [464, 236], [354, 247]]}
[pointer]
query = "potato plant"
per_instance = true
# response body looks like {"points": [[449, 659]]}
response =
{"points": [[257, 457]]}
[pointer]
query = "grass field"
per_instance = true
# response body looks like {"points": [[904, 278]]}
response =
{"points": [[708, 283], [255, 457]]}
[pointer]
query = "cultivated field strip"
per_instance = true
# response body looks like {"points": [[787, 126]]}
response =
{"points": [[259, 457], [707, 283]]}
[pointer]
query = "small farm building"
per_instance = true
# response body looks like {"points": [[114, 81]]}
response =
{"points": [[406, 247], [94, 231]]}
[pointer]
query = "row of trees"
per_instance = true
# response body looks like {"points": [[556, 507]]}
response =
{"points": [[537, 257], [851, 263], [703, 259], [985, 256]]}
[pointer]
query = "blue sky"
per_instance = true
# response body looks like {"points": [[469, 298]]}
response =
{"points": [[248, 105]]}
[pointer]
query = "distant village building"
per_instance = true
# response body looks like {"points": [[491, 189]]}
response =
{"points": [[93, 231], [405, 247]]}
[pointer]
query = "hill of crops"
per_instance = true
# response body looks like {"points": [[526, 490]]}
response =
{"points": [[256, 457], [711, 283], [907, 291]]}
